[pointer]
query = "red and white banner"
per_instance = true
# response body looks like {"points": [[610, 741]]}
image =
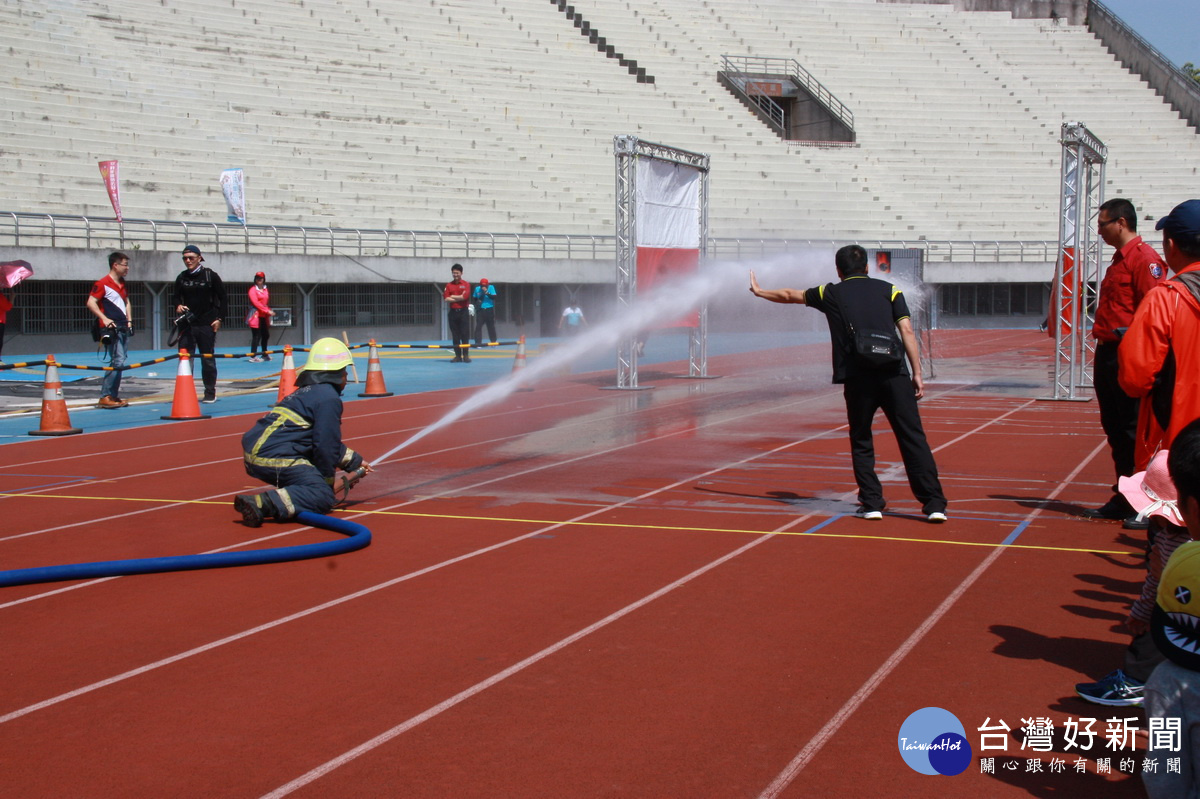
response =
{"points": [[112, 182], [668, 227]]}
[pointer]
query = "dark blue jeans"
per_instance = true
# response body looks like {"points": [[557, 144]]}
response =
{"points": [[117, 353]]}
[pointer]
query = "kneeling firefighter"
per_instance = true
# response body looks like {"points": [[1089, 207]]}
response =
{"points": [[297, 446]]}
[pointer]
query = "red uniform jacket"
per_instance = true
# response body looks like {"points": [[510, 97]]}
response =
{"points": [[1167, 320], [1136, 268]]}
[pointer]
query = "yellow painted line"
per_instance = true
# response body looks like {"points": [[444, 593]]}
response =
{"points": [[358, 511]]}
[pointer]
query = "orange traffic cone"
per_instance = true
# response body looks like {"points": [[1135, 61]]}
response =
{"points": [[519, 361], [184, 405], [55, 421], [287, 376], [375, 386]]}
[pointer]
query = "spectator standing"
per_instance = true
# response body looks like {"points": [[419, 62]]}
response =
{"points": [[1151, 494], [457, 296], [860, 304], [484, 296], [573, 317], [1160, 354], [1135, 269], [297, 447], [199, 296], [109, 303], [5, 306], [259, 318]]}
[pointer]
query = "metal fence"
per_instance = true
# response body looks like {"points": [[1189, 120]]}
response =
{"points": [[55, 230]]}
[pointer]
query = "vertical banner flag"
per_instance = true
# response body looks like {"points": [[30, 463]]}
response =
{"points": [[112, 182], [668, 227], [233, 185]]}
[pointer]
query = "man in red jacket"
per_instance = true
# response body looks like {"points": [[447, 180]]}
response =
{"points": [[1135, 270], [1160, 355]]}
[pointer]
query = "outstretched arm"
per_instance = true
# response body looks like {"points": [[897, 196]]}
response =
{"points": [[775, 295]]}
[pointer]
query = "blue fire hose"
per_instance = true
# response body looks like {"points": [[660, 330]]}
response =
{"points": [[357, 537]]}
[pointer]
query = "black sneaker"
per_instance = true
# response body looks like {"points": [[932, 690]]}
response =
{"points": [[1118, 689], [249, 506], [209, 399], [1112, 510]]}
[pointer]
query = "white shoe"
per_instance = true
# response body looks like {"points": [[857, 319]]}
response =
{"points": [[937, 517], [873, 515]]}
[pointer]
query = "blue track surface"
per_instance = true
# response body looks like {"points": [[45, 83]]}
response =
{"points": [[406, 371]]}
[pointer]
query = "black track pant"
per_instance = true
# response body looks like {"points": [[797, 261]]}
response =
{"points": [[1118, 410], [895, 395]]}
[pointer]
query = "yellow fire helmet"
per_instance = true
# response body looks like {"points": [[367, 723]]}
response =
{"points": [[328, 355]]}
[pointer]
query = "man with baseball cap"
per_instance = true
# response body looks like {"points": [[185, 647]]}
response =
{"points": [[484, 297], [198, 298], [1160, 354]]}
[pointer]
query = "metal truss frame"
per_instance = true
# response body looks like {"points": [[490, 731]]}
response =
{"points": [[1077, 270], [627, 150]]}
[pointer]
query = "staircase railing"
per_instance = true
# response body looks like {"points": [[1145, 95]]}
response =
{"points": [[742, 69]]}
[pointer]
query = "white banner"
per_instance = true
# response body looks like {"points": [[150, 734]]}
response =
{"points": [[233, 186], [668, 204]]}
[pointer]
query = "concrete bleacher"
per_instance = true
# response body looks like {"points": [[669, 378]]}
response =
{"points": [[497, 115]]}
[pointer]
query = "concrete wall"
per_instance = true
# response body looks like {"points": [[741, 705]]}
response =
{"points": [[79, 264], [937, 273], [542, 278]]}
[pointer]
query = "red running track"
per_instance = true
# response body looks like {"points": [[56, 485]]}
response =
{"points": [[576, 593]]}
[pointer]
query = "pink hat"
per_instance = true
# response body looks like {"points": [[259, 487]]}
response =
{"points": [[1151, 493]]}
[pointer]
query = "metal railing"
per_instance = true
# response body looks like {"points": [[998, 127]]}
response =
{"points": [[54, 230], [762, 65]]}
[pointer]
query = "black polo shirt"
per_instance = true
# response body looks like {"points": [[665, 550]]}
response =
{"points": [[867, 304]]}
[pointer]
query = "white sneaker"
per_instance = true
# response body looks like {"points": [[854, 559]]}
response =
{"points": [[937, 517], [873, 515]]}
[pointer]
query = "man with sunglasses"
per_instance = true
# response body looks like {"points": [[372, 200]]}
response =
{"points": [[199, 301], [1136, 268]]}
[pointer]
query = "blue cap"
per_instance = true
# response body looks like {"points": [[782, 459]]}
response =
{"points": [[1183, 221], [192, 248]]}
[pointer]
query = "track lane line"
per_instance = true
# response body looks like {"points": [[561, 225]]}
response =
{"points": [[16, 714], [388, 735], [423, 498], [818, 741]]}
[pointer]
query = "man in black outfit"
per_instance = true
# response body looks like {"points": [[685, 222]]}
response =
{"points": [[863, 305], [199, 290]]}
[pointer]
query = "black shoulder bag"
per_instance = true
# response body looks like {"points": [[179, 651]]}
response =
{"points": [[878, 349]]}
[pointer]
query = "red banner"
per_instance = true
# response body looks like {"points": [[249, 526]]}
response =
{"points": [[112, 182], [661, 266]]}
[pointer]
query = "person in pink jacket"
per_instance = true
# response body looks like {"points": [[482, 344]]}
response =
{"points": [[259, 318]]}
